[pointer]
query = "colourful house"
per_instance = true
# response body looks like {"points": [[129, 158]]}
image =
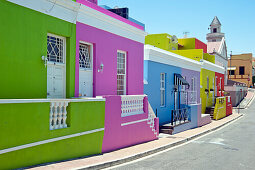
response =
{"points": [[75, 78], [172, 83]]}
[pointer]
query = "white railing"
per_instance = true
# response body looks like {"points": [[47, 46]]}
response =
{"points": [[131, 105], [188, 97], [58, 115]]}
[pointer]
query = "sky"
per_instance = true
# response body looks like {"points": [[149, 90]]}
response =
{"points": [[194, 16]]}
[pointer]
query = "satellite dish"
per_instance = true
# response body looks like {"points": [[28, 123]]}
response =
{"points": [[174, 39]]}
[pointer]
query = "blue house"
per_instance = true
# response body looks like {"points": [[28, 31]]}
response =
{"points": [[172, 83]]}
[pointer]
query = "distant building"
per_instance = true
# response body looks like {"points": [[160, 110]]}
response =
{"points": [[240, 68], [216, 45]]}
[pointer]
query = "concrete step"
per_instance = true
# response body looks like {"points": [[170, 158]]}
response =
{"points": [[166, 131]]}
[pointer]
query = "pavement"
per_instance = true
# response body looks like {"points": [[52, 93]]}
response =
{"points": [[135, 152]]}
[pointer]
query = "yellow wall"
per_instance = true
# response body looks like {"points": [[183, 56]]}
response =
{"points": [[206, 100], [220, 108], [162, 41], [188, 43], [210, 58], [195, 54]]}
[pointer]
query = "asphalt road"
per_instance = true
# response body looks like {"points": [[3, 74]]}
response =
{"points": [[230, 148]]}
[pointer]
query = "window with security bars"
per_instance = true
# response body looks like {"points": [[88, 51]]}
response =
{"points": [[121, 73], [193, 84], [55, 49], [85, 58], [162, 89]]}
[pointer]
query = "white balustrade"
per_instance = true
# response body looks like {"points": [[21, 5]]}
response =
{"points": [[131, 105], [58, 115]]}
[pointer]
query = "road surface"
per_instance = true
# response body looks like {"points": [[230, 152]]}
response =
{"points": [[230, 148]]}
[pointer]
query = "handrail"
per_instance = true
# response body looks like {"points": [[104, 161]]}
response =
{"points": [[180, 116]]}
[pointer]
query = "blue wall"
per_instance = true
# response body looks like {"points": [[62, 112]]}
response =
{"points": [[152, 72]]}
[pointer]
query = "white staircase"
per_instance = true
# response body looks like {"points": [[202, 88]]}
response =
{"points": [[151, 116]]}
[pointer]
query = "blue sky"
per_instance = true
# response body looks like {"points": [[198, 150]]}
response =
{"points": [[177, 16]]}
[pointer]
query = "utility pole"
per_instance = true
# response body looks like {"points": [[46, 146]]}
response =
{"points": [[230, 65]]}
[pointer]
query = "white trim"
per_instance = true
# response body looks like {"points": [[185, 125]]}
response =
{"points": [[107, 23], [125, 78], [165, 57], [212, 67], [9, 101], [72, 12], [48, 141], [134, 122], [66, 10]]}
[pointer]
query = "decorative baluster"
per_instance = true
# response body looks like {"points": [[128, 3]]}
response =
{"points": [[55, 115], [61, 105], [64, 114], [51, 116]]}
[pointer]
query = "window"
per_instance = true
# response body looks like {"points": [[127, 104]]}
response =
{"points": [[55, 49], [207, 83], [193, 84], [213, 40], [241, 70], [220, 82], [85, 59], [162, 89], [121, 73], [214, 30], [231, 72], [216, 85]]}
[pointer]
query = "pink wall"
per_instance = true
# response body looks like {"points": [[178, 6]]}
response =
{"points": [[105, 46], [200, 45], [82, 1], [109, 13], [218, 83], [117, 136]]}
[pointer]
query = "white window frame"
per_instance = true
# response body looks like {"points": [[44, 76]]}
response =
{"points": [[193, 82], [91, 54], [216, 87], [125, 75], [162, 90]]}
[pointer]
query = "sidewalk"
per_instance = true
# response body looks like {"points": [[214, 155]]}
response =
{"points": [[138, 151], [246, 101]]}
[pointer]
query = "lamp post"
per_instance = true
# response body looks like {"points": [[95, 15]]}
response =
{"points": [[230, 65]]}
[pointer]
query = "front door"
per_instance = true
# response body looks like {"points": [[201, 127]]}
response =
{"points": [[56, 55], [86, 70]]}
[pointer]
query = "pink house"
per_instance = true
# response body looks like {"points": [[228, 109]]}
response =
{"points": [[109, 63]]}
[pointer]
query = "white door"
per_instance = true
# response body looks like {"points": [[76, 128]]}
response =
{"points": [[56, 66], [86, 70]]}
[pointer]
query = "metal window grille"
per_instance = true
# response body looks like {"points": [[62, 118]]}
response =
{"points": [[162, 89], [85, 59], [121, 73], [55, 49]]}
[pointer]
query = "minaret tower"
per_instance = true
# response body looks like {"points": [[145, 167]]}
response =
{"points": [[215, 35]]}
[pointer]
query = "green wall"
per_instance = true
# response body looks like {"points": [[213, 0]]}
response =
{"points": [[161, 41], [203, 82], [23, 37], [27, 123], [188, 43], [210, 58], [195, 54]]}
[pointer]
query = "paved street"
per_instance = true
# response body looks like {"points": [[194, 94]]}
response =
{"points": [[232, 147]]}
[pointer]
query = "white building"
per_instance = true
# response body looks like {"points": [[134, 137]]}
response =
{"points": [[216, 45]]}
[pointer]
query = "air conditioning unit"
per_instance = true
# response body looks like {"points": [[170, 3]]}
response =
{"points": [[120, 11]]}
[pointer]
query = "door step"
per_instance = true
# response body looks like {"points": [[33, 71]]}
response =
{"points": [[167, 129]]}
